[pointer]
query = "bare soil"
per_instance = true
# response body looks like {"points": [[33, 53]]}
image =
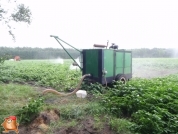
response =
{"points": [[41, 125], [86, 127]]}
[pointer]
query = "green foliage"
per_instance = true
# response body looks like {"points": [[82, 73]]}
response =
{"points": [[79, 111], [158, 121], [20, 13], [72, 112], [95, 88], [23, 14], [151, 104], [154, 53], [3, 58], [12, 98], [62, 123], [39, 53], [53, 53], [28, 112], [121, 126], [155, 63], [43, 73]]}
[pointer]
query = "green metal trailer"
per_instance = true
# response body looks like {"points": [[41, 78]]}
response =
{"points": [[104, 65]]}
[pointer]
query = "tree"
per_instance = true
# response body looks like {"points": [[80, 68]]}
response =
{"points": [[20, 13], [3, 58]]}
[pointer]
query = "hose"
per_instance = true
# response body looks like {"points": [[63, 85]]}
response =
{"points": [[67, 94]]}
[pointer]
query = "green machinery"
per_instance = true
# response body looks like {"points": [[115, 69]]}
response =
{"points": [[103, 64]]}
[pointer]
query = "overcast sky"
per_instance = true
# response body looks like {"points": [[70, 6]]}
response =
{"points": [[82, 23]]}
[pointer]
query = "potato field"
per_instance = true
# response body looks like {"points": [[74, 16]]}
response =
{"points": [[147, 104]]}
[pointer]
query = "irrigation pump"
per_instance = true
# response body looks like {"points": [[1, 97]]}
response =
{"points": [[102, 63]]}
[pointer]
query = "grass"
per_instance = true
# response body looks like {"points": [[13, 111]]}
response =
{"points": [[13, 97], [73, 110], [62, 124], [72, 107], [120, 126]]}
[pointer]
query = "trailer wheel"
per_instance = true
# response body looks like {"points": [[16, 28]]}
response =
{"points": [[121, 78]]}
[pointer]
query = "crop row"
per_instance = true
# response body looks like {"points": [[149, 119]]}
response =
{"points": [[156, 63], [57, 76], [152, 105]]}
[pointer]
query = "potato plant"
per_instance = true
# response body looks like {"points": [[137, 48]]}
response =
{"points": [[151, 104], [41, 73]]}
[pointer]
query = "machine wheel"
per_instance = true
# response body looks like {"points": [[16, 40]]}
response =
{"points": [[121, 78]]}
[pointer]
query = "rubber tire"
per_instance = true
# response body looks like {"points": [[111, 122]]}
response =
{"points": [[122, 78]]}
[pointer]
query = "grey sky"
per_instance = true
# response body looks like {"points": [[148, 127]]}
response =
{"points": [[82, 23]]}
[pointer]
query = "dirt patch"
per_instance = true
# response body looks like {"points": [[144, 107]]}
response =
{"points": [[40, 125], [85, 127]]}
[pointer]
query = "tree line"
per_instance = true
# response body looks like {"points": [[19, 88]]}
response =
{"points": [[53, 53], [37, 53]]}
